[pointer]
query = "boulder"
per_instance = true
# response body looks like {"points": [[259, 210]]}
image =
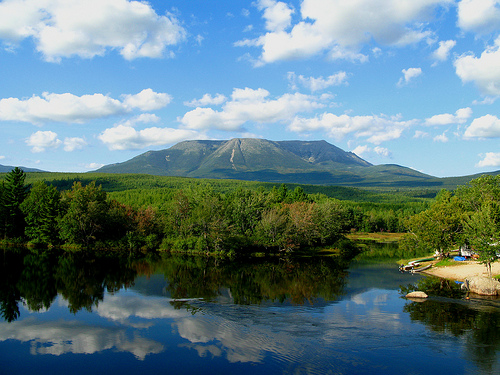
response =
{"points": [[416, 295], [483, 285]]}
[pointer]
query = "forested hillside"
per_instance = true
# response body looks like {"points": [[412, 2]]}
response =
{"points": [[191, 215]]}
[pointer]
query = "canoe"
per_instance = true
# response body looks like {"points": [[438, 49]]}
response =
{"points": [[422, 268]]}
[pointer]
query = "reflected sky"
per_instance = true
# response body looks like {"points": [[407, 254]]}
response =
{"points": [[367, 330]]}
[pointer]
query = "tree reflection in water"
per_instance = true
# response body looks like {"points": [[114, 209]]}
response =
{"points": [[35, 278], [451, 310]]}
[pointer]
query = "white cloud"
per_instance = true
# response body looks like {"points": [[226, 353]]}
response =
{"points": [[409, 75], [76, 109], [278, 15], [41, 140], [376, 129], [340, 27], [480, 16], [487, 126], [65, 28], [74, 143], [460, 117], [382, 151], [443, 51], [420, 134], [2, 157], [147, 100], [318, 83], [126, 137], [484, 71], [490, 159], [250, 105], [367, 150], [93, 166], [362, 150], [441, 138], [206, 100]]}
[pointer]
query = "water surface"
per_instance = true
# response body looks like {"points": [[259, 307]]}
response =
{"points": [[129, 314]]}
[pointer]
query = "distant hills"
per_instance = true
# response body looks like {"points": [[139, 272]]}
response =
{"points": [[292, 162], [7, 168], [304, 162]]}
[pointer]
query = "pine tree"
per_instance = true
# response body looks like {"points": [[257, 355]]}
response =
{"points": [[14, 192]]}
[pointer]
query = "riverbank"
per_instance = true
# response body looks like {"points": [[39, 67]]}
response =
{"points": [[462, 270]]}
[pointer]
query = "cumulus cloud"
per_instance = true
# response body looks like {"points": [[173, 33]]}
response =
{"points": [[250, 105], [74, 143], [206, 100], [339, 27], [409, 75], [124, 136], [66, 28], [487, 126], [42, 140], [366, 151], [76, 109], [278, 15], [441, 138], [443, 51], [490, 159], [376, 129], [460, 117], [480, 16], [483, 71], [147, 100], [318, 83]]}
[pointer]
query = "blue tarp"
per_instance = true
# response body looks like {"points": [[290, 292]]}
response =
{"points": [[459, 259]]}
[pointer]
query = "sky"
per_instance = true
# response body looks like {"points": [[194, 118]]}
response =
{"points": [[411, 82]]}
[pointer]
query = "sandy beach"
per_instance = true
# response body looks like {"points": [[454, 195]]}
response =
{"points": [[463, 270]]}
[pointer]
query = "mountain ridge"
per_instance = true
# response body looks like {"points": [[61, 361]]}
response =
{"points": [[312, 162]]}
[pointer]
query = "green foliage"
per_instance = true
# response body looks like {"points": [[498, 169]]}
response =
{"points": [[438, 228], [41, 209], [86, 213], [481, 203], [12, 194]]}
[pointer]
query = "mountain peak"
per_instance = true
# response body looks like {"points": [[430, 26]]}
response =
{"points": [[312, 162]]}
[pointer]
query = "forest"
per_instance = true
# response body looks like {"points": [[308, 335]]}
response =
{"points": [[143, 212]]}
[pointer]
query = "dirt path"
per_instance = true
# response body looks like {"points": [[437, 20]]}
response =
{"points": [[463, 270]]}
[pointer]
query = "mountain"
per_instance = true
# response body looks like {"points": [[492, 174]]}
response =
{"points": [[306, 162], [7, 168]]}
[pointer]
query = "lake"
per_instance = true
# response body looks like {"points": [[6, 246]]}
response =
{"points": [[100, 314]]}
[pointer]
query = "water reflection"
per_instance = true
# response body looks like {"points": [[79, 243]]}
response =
{"points": [[314, 315], [452, 310], [36, 278]]}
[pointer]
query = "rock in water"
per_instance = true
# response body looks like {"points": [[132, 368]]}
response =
{"points": [[483, 285], [416, 295]]}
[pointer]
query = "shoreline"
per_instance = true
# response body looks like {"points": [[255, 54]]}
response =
{"points": [[463, 270]]}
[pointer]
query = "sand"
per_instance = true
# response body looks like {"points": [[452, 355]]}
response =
{"points": [[463, 270]]}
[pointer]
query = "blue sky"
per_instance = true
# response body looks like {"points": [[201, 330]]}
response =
{"points": [[409, 82]]}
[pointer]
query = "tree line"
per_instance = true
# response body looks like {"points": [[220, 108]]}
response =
{"points": [[468, 216], [196, 218]]}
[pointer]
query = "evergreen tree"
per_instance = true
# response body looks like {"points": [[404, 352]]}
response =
{"points": [[13, 193], [41, 209]]}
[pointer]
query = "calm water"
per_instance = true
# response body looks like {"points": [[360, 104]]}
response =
{"points": [[179, 315]]}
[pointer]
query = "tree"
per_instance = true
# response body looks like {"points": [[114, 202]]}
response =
{"points": [[483, 232], [481, 201], [14, 192], [437, 228], [86, 214], [41, 209]]}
